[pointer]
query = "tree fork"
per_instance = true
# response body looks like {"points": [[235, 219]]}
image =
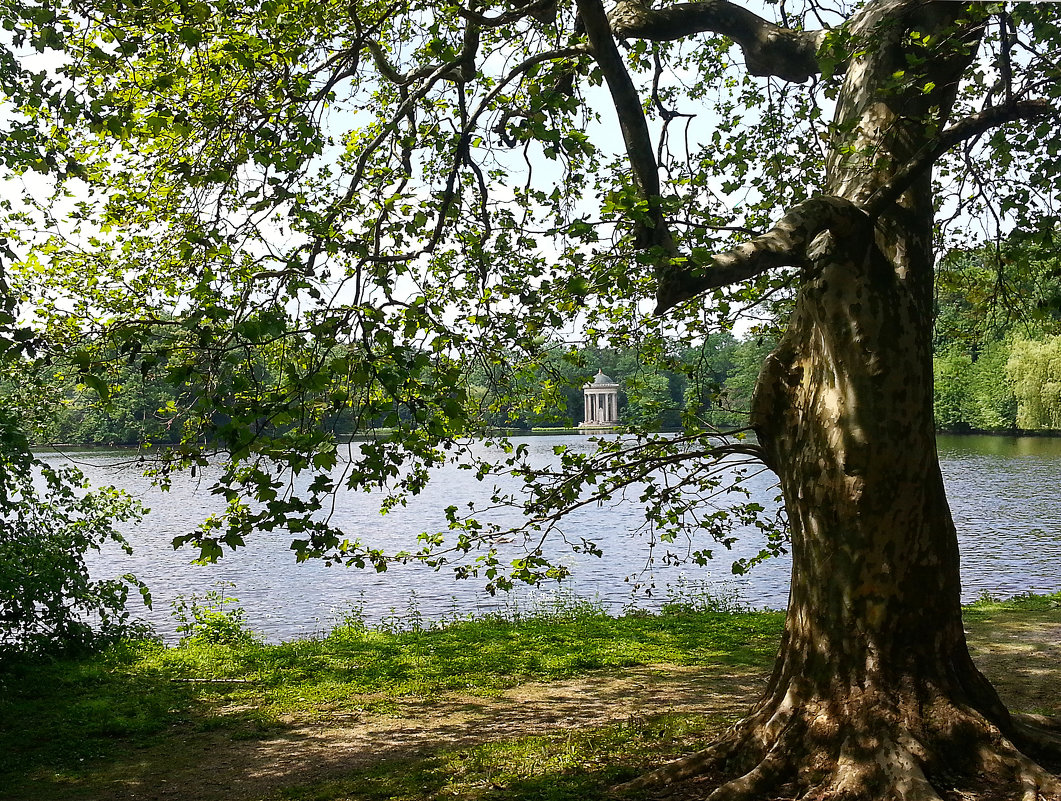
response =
{"points": [[874, 694]]}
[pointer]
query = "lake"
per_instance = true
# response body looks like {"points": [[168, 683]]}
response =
{"points": [[1002, 489]]}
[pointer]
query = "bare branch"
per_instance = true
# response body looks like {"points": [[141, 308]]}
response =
{"points": [[769, 49], [463, 69], [632, 120], [388, 70], [784, 245], [961, 131], [538, 9]]}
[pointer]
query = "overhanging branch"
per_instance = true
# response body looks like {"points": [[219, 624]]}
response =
{"points": [[961, 131], [632, 121], [769, 50], [784, 245]]}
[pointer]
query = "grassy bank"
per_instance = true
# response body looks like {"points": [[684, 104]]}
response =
{"points": [[126, 722]]}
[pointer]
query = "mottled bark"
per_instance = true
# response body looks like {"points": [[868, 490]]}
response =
{"points": [[874, 694], [844, 406]]}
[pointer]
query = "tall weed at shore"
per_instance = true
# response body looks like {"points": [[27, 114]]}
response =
{"points": [[214, 618], [692, 597]]}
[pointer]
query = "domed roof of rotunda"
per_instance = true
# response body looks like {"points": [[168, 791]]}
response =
{"points": [[601, 380]]}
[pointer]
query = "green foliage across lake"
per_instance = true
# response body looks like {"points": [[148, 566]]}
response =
{"points": [[712, 381], [997, 367], [997, 361]]}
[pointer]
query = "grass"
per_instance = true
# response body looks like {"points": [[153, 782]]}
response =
{"points": [[988, 605], [68, 726], [575, 765]]}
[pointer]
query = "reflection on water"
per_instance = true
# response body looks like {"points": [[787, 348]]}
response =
{"points": [[960, 446], [1001, 488]]}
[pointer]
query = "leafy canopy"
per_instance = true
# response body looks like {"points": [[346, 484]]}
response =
{"points": [[287, 210]]}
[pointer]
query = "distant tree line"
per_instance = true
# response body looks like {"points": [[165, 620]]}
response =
{"points": [[997, 361], [712, 381], [997, 366]]}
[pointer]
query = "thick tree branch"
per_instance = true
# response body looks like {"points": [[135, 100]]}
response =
{"points": [[784, 245], [463, 71], [961, 131], [538, 9], [632, 121], [768, 49]]}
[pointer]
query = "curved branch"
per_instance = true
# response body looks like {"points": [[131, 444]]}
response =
{"points": [[769, 50], [538, 9], [461, 69], [961, 131], [784, 245], [632, 120], [388, 71]]}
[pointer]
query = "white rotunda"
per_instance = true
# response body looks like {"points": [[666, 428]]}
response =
{"points": [[602, 402]]}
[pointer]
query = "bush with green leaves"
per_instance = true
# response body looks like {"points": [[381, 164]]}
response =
{"points": [[975, 394], [49, 522], [213, 619]]}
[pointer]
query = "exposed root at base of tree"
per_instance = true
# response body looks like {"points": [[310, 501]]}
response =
{"points": [[950, 752]]}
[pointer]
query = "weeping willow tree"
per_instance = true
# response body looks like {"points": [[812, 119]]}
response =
{"points": [[341, 206], [1034, 368]]}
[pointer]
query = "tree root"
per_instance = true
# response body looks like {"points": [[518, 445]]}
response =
{"points": [[680, 770], [759, 779], [859, 763], [1039, 732]]}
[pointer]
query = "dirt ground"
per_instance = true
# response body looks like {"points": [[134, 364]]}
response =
{"points": [[1021, 654]]}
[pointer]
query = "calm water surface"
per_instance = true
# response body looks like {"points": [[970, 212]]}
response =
{"points": [[1003, 494]]}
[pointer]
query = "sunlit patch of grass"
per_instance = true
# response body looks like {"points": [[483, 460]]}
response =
{"points": [[1025, 602], [479, 656], [565, 766]]}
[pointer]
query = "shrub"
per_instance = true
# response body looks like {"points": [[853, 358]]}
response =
{"points": [[206, 619], [49, 522]]}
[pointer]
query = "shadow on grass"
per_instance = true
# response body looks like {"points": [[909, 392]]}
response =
{"points": [[59, 716], [364, 715], [427, 780], [140, 713]]}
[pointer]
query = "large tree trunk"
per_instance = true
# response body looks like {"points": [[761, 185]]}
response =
{"points": [[874, 694]]}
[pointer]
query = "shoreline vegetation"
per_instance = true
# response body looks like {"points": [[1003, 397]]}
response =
{"points": [[989, 379], [543, 432], [560, 702]]}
